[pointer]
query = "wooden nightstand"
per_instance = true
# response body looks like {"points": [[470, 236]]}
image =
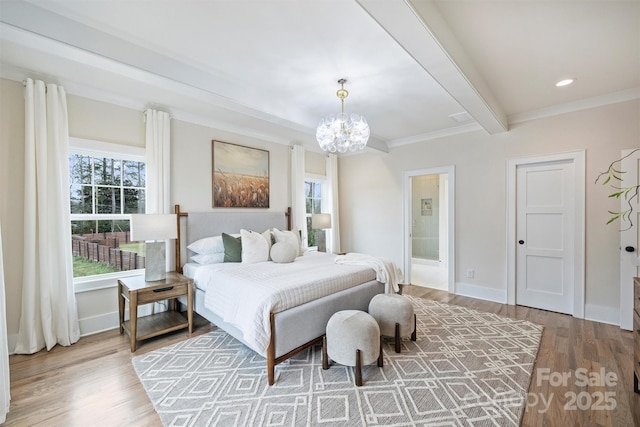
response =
{"points": [[138, 292]]}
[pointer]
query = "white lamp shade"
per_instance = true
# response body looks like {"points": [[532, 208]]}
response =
{"points": [[153, 227], [320, 221]]}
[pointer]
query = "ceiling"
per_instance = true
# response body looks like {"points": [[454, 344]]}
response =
{"points": [[269, 68]]}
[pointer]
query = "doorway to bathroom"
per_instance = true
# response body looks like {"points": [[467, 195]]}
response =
{"points": [[429, 228]]}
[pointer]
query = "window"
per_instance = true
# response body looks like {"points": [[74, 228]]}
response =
{"points": [[314, 189], [104, 188]]}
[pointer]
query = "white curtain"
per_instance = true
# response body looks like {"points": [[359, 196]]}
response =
{"points": [[5, 396], [158, 156], [298, 206], [49, 312], [333, 235]]}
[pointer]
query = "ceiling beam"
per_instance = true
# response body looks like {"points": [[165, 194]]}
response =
{"points": [[76, 41], [36, 20], [420, 30]]}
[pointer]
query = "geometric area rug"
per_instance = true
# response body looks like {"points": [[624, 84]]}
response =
{"points": [[467, 368]]}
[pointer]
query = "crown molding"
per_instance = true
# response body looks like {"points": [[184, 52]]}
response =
{"points": [[457, 130], [583, 104]]}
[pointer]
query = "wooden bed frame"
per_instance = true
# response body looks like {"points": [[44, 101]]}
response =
{"points": [[314, 314]]}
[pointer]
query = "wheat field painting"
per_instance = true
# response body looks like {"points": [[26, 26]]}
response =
{"points": [[240, 176]]}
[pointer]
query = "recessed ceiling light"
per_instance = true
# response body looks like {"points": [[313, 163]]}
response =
{"points": [[565, 82]]}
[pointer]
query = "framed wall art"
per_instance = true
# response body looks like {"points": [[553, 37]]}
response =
{"points": [[426, 207], [240, 176]]}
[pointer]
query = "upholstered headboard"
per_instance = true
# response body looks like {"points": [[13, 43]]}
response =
{"points": [[197, 225]]}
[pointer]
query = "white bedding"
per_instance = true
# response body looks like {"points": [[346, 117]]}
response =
{"points": [[246, 294], [190, 268], [386, 271]]}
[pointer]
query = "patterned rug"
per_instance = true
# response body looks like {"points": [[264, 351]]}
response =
{"points": [[466, 368]]}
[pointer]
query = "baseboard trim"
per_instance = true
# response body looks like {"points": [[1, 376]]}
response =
{"points": [[593, 312], [108, 321], [602, 314], [92, 325], [481, 292], [97, 324]]}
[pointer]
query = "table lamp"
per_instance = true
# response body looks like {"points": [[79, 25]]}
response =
{"points": [[154, 229]]}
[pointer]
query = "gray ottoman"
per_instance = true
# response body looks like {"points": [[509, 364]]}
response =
{"points": [[395, 316], [352, 339]]}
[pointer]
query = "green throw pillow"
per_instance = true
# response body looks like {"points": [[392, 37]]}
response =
{"points": [[232, 248]]}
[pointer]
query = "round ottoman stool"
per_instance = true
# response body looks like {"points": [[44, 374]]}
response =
{"points": [[395, 316], [352, 339]]}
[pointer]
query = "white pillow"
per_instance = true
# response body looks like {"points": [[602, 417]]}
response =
{"points": [[208, 258], [293, 236], [255, 247], [209, 245], [268, 235], [284, 251]]}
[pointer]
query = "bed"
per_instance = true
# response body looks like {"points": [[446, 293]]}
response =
{"points": [[290, 326]]}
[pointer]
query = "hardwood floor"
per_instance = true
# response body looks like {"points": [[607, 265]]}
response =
{"points": [[92, 383], [568, 345]]}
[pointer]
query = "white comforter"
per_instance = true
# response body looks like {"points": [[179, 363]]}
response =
{"points": [[246, 294]]}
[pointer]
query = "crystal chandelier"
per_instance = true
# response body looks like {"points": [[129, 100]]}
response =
{"points": [[342, 132]]}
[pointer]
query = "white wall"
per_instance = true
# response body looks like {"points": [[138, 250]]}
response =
{"points": [[191, 166], [315, 163], [372, 203]]}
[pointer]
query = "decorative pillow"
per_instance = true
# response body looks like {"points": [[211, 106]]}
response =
{"points": [[268, 235], [292, 236], [285, 251], [208, 258], [255, 247], [209, 245], [232, 248]]}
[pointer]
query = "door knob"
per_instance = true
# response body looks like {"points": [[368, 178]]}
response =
{"points": [[630, 249], [521, 242]]}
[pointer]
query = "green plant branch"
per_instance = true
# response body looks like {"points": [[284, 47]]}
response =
{"points": [[626, 193]]}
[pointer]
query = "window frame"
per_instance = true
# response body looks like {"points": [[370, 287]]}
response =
{"points": [[95, 148], [323, 181]]}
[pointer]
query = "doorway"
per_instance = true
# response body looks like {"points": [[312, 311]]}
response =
{"points": [[429, 228], [545, 232]]}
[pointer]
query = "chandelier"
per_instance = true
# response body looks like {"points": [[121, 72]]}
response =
{"points": [[342, 132]]}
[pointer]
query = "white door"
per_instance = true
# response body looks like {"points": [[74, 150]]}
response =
{"points": [[545, 204], [629, 237]]}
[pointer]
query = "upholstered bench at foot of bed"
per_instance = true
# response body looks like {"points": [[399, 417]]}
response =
{"points": [[395, 316], [352, 339]]}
